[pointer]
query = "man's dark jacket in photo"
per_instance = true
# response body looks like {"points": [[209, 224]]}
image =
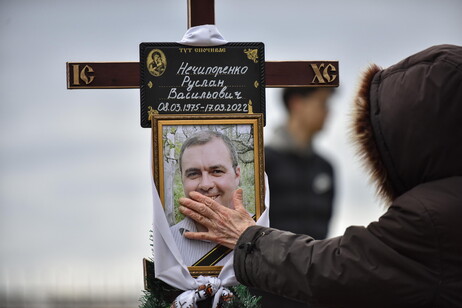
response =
{"points": [[408, 127]]}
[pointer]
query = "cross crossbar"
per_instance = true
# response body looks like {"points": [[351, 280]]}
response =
{"points": [[125, 75]]}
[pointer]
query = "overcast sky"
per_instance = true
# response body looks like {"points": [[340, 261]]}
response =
{"points": [[75, 186]]}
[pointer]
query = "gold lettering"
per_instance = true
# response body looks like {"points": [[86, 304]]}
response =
{"points": [[83, 74], [209, 49], [185, 50], [76, 69], [317, 73], [326, 73]]}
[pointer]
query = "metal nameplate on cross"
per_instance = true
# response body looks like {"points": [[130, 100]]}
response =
{"points": [[180, 79], [124, 75]]}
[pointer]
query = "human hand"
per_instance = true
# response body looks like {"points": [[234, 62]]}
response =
{"points": [[224, 225]]}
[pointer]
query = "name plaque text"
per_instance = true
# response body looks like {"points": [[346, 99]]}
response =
{"points": [[180, 79]]}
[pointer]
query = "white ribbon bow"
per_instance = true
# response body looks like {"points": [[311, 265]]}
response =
{"points": [[208, 287]]}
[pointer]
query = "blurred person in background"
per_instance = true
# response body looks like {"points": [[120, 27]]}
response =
{"points": [[301, 181]]}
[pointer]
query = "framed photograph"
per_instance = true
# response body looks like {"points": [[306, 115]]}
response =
{"points": [[213, 155]]}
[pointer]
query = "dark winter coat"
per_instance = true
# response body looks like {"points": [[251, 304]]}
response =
{"points": [[408, 125]]}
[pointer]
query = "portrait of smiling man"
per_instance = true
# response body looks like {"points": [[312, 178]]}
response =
{"points": [[208, 164]]}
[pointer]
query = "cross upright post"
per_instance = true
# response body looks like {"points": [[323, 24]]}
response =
{"points": [[201, 12]]}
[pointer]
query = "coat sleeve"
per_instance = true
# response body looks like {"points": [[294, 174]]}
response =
{"points": [[362, 268]]}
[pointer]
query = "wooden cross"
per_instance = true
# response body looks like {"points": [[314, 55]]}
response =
{"points": [[125, 75]]}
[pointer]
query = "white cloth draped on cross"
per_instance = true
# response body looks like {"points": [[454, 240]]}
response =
{"points": [[168, 263], [205, 35]]}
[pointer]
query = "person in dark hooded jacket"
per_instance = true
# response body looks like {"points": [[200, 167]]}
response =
{"points": [[408, 125]]}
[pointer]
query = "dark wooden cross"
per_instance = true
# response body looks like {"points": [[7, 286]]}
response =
{"points": [[124, 75], [278, 74]]}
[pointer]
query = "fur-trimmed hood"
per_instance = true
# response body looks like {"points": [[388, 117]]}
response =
{"points": [[408, 120]]}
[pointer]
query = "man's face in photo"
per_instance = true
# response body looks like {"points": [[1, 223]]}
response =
{"points": [[208, 169]]}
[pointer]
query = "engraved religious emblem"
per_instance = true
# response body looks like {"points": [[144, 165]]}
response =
{"points": [[156, 62]]}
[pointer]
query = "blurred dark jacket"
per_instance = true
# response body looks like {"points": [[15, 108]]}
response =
{"points": [[301, 186], [408, 125]]}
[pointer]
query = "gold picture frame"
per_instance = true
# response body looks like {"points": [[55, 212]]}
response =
{"points": [[170, 133]]}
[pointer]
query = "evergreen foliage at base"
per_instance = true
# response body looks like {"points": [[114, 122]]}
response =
{"points": [[243, 298], [161, 295]]}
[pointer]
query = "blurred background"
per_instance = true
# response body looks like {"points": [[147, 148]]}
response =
{"points": [[75, 184]]}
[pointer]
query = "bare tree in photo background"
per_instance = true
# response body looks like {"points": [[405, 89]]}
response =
{"points": [[173, 138]]}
